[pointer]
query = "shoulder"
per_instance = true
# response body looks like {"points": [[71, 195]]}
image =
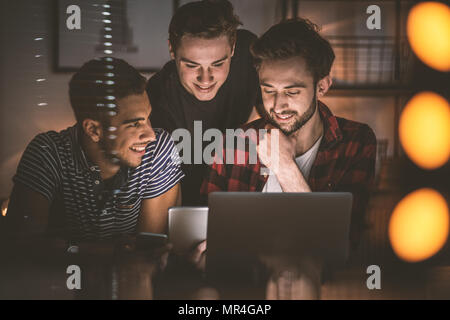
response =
{"points": [[162, 148], [50, 142], [359, 139], [164, 74], [354, 130], [244, 40], [162, 79]]}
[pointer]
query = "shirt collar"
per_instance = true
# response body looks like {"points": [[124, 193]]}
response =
{"points": [[80, 161], [331, 132]]}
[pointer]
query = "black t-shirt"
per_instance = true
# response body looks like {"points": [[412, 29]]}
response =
{"points": [[174, 107]]}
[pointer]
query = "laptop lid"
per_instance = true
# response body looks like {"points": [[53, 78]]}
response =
{"points": [[242, 225]]}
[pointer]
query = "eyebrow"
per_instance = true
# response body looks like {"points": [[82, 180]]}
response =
{"points": [[294, 85], [197, 64], [133, 120]]}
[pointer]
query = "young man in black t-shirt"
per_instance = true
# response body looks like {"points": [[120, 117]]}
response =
{"points": [[210, 78]]}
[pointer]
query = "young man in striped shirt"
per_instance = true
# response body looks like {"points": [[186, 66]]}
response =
{"points": [[109, 175]]}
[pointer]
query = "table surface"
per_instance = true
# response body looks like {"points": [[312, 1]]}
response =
{"points": [[110, 275]]}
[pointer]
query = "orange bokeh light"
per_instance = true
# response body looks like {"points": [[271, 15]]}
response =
{"points": [[424, 130], [428, 30], [419, 225]]}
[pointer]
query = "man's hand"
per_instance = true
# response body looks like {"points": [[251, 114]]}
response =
{"points": [[154, 211], [126, 246], [275, 149], [277, 152], [198, 256]]}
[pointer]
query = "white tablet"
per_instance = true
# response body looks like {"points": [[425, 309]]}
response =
{"points": [[187, 227]]}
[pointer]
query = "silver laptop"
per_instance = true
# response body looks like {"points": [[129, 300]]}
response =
{"points": [[242, 225]]}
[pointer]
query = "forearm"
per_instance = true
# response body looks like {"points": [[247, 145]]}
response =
{"points": [[291, 179], [154, 212]]}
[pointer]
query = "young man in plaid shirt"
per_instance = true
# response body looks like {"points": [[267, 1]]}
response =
{"points": [[317, 151]]}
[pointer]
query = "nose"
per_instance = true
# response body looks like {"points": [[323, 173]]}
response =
{"points": [[205, 76], [280, 102], [148, 133]]}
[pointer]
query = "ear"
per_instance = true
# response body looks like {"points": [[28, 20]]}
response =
{"points": [[323, 85], [93, 129], [172, 54]]}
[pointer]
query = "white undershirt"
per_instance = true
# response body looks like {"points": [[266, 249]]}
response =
{"points": [[304, 163]]}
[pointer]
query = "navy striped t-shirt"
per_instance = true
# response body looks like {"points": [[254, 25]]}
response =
{"points": [[82, 205]]}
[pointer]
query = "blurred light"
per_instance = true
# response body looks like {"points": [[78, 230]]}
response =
{"points": [[98, 81], [5, 204], [108, 51], [108, 44], [109, 67], [418, 227], [109, 82], [428, 29], [106, 21], [106, 6], [108, 29], [112, 128], [111, 105], [40, 80], [38, 39], [112, 113], [109, 59], [110, 97], [38, 56], [112, 136], [109, 75], [424, 130], [105, 13], [108, 36], [42, 104]]}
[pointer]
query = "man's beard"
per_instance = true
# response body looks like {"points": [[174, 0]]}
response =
{"points": [[300, 121]]}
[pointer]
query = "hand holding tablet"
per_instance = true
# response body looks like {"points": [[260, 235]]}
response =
{"points": [[187, 227]]}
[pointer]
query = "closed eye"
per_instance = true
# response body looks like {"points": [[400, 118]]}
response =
{"points": [[269, 91], [293, 92]]}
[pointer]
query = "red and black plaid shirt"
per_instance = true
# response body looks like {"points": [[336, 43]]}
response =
{"points": [[345, 162]]}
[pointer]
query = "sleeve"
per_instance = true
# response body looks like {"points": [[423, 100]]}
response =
{"points": [[37, 168], [166, 167], [358, 180]]}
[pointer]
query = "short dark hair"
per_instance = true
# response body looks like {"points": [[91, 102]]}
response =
{"points": [[295, 37], [99, 83], [204, 19]]}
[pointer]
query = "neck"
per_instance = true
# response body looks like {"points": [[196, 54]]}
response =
{"points": [[308, 135], [97, 156]]}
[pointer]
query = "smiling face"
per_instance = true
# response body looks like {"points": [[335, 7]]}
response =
{"points": [[288, 92], [203, 64], [129, 132]]}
